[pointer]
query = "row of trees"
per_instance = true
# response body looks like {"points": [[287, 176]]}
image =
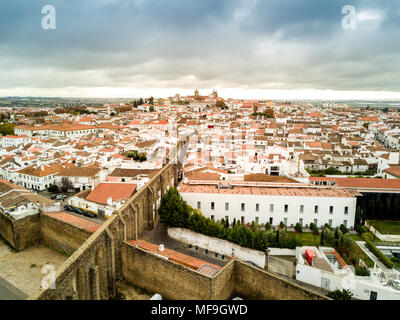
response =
{"points": [[378, 206], [334, 171], [136, 156], [175, 212], [7, 129], [137, 103]]}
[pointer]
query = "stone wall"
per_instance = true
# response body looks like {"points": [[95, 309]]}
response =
{"points": [[20, 233], [156, 274], [223, 283], [256, 284], [61, 235]]}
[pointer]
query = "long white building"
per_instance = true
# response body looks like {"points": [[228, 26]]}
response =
{"points": [[291, 203]]}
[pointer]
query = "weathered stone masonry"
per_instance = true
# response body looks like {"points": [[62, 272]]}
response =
{"points": [[91, 272]]}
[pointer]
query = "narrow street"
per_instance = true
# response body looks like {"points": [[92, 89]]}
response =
{"points": [[159, 236]]}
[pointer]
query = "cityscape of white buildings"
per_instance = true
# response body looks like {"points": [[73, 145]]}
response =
{"points": [[248, 160]]}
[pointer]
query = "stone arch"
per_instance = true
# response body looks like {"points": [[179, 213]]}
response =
{"points": [[151, 215], [117, 250], [102, 273], [93, 279], [81, 283], [138, 217]]}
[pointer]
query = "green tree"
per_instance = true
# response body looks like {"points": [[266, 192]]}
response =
{"points": [[7, 129], [174, 211], [52, 188], [340, 295]]}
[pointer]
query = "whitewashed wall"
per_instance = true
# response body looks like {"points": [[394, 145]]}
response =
{"points": [[293, 215], [219, 246]]}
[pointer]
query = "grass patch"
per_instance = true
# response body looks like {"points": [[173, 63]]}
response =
{"points": [[356, 237], [363, 256], [307, 238], [386, 227]]}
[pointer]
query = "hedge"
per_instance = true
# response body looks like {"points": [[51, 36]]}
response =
{"points": [[360, 229], [385, 260]]}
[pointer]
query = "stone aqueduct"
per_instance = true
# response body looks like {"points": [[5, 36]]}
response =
{"points": [[91, 272]]}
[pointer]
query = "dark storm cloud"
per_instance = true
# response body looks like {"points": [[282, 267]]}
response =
{"points": [[264, 44]]}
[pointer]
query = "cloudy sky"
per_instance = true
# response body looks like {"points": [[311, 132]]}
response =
{"points": [[245, 48]]}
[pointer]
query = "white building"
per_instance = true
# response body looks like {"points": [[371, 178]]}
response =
{"points": [[271, 202], [328, 271]]}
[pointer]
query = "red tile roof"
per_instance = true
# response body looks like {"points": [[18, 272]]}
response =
{"points": [[187, 261], [361, 183], [74, 220], [117, 191]]}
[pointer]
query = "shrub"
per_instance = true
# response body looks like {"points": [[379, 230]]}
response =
{"points": [[385, 260], [267, 226], [314, 228], [344, 229], [340, 295], [360, 229], [52, 188], [299, 228], [282, 225], [327, 226], [368, 235], [362, 271]]}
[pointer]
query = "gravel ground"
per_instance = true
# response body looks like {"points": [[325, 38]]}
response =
{"points": [[133, 292], [23, 269]]}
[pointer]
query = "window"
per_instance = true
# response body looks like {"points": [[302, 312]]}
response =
{"points": [[242, 220], [286, 207], [346, 210], [242, 207], [257, 207], [316, 222], [301, 221], [302, 208], [212, 217], [212, 205], [330, 222], [226, 206], [331, 209], [271, 220], [345, 223], [198, 205], [285, 221], [227, 219], [257, 220], [271, 207], [316, 209]]}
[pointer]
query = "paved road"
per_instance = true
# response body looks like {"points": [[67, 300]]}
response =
{"points": [[9, 292]]}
